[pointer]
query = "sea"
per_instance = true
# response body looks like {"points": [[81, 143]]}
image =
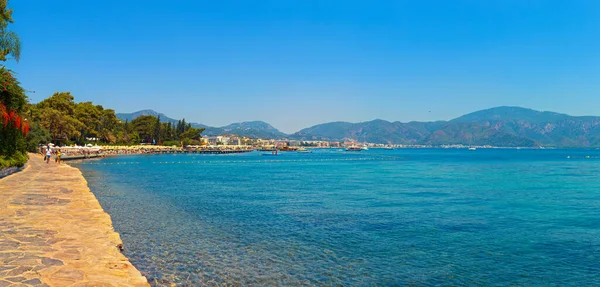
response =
{"points": [[405, 217]]}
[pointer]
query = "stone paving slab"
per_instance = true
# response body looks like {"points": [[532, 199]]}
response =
{"points": [[53, 232]]}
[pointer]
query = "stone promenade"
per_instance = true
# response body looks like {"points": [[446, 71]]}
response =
{"points": [[53, 232]]}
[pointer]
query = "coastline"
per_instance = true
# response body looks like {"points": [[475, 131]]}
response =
{"points": [[55, 233]]}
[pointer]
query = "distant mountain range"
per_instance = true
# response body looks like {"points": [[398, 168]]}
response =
{"points": [[500, 126]]}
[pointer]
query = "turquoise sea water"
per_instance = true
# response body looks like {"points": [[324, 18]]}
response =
{"points": [[423, 217]]}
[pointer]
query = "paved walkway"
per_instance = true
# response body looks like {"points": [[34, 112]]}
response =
{"points": [[53, 232]]}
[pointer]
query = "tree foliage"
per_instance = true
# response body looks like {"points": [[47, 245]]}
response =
{"points": [[67, 121], [10, 43], [13, 125], [144, 126]]}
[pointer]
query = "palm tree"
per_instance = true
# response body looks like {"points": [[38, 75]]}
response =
{"points": [[10, 44]]}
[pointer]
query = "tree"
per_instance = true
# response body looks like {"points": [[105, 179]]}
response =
{"points": [[180, 128], [13, 127], [144, 126], [10, 44], [109, 126], [13, 101], [90, 116], [65, 119], [63, 102], [157, 126], [61, 127], [165, 131], [134, 138], [192, 133], [109, 120], [36, 136]]}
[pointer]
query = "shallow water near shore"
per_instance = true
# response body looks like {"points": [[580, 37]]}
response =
{"points": [[371, 218]]}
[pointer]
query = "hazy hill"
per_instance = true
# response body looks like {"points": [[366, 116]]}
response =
{"points": [[505, 113], [501, 126], [545, 128], [253, 129], [131, 116]]}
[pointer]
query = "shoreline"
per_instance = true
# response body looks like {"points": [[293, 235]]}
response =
{"points": [[54, 231]]}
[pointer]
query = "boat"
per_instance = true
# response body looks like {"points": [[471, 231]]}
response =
{"points": [[353, 148], [471, 147], [301, 149], [364, 148]]}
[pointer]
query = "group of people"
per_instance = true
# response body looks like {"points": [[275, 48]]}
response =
{"points": [[49, 153]]}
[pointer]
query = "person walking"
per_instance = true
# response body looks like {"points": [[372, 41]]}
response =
{"points": [[48, 154]]}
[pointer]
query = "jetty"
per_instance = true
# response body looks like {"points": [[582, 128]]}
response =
{"points": [[216, 151], [53, 232], [74, 157], [89, 152]]}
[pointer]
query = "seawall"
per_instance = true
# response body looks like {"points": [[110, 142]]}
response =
{"points": [[53, 232]]}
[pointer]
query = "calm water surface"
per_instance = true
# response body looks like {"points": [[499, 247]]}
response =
{"points": [[372, 218]]}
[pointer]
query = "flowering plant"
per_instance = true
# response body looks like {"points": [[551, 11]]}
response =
{"points": [[11, 118]]}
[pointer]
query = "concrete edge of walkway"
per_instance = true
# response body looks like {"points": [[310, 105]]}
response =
{"points": [[57, 234]]}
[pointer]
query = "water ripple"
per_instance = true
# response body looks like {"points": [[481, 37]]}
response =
{"points": [[404, 217]]}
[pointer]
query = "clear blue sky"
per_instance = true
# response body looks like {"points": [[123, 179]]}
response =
{"points": [[299, 63]]}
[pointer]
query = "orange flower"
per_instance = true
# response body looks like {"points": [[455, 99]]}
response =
{"points": [[25, 128], [17, 122]]}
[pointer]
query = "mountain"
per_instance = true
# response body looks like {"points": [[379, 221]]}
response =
{"points": [[253, 129], [505, 113], [545, 128], [500, 126], [132, 116]]}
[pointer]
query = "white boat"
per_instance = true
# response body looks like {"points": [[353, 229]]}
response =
{"points": [[364, 148], [353, 148], [471, 147]]}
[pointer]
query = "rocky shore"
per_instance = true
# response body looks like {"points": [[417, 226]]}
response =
{"points": [[53, 232]]}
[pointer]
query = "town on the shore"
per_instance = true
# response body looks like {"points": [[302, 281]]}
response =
{"points": [[223, 144]]}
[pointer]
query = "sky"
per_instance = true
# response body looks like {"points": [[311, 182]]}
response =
{"points": [[295, 64]]}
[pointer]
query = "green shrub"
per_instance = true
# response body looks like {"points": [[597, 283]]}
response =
{"points": [[18, 159], [171, 143]]}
